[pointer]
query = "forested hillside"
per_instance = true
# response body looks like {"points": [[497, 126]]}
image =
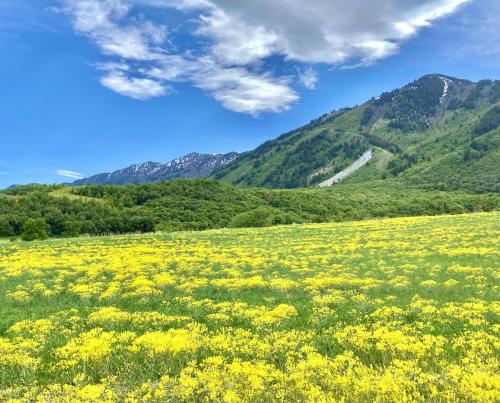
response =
{"points": [[203, 204], [437, 132]]}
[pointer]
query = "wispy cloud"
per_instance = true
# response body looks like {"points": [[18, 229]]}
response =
{"points": [[105, 22], [17, 16], [136, 88], [69, 174], [308, 77], [232, 41], [482, 38], [4, 173], [236, 87]]}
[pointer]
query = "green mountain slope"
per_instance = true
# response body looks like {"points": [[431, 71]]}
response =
{"points": [[437, 132]]}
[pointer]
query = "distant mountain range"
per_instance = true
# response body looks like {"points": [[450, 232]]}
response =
{"points": [[437, 132], [193, 165]]}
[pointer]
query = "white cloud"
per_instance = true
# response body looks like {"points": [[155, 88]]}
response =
{"points": [[242, 91], [108, 25], [233, 42], [237, 42], [308, 77], [323, 31], [136, 88], [236, 88], [69, 174]]}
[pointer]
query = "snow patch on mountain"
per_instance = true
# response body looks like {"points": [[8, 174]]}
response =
{"points": [[446, 82]]}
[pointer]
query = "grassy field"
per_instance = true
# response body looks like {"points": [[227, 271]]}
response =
{"points": [[10, 197], [67, 191], [403, 309]]}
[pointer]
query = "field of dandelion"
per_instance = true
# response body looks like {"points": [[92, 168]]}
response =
{"points": [[403, 309]]}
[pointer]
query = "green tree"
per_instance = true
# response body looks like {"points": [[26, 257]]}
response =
{"points": [[35, 229], [5, 227], [71, 228]]}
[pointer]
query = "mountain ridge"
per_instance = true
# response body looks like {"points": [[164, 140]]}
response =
{"points": [[193, 165]]}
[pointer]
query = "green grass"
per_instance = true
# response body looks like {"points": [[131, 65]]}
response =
{"points": [[67, 191], [10, 197]]}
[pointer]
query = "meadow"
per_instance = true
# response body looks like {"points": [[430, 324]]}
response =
{"points": [[399, 309]]}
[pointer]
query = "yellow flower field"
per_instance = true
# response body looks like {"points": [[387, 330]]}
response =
{"points": [[393, 310]]}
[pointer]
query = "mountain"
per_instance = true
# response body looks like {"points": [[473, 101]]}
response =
{"points": [[193, 165], [437, 132]]}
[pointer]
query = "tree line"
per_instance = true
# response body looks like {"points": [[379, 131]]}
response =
{"points": [[203, 204]]}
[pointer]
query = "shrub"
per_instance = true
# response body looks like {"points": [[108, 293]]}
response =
{"points": [[35, 229], [259, 217]]}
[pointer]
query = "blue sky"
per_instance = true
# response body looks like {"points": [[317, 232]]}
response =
{"points": [[95, 85]]}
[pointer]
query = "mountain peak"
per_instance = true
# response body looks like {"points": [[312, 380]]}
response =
{"points": [[440, 75]]}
